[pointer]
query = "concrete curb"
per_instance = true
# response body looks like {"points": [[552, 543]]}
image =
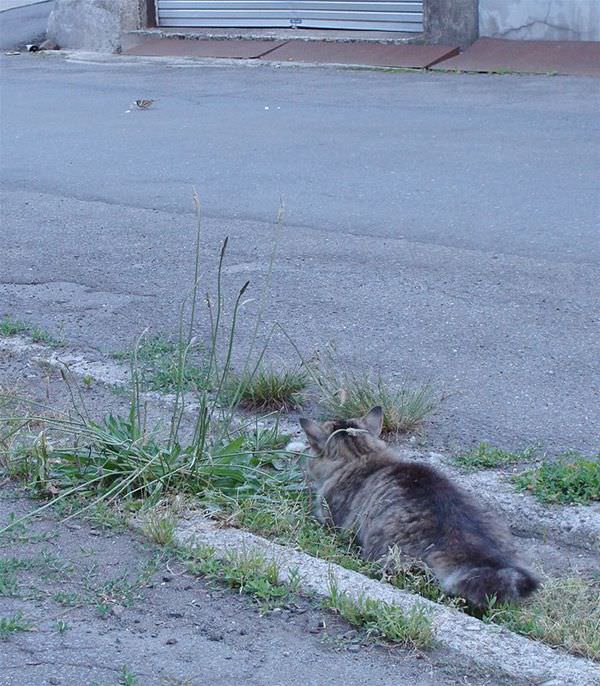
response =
{"points": [[124, 60], [488, 646], [573, 525]]}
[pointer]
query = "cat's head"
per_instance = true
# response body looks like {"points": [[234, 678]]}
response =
{"points": [[360, 435]]}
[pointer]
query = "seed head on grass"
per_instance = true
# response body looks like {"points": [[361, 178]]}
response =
{"points": [[267, 389], [346, 395]]}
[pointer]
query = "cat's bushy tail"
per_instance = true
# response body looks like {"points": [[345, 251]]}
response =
{"points": [[480, 584]]}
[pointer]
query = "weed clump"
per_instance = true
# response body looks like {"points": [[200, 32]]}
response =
{"points": [[383, 620], [346, 395], [486, 456], [16, 327], [570, 480], [563, 613], [164, 365], [266, 389]]}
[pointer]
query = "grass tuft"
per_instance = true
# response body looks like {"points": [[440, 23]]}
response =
{"points": [[346, 395], [160, 527], [249, 573], [486, 456], [13, 624], [383, 620], [116, 458], [571, 480], [16, 327], [164, 365], [266, 389], [564, 613]]}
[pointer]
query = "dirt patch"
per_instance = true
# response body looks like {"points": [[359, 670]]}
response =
{"points": [[101, 605], [141, 639], [557, 540]]}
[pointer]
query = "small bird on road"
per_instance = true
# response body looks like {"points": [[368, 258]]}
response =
{"points": [[144, 104]]}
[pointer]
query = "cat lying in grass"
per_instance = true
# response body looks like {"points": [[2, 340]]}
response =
{"points": [[361, 485]]}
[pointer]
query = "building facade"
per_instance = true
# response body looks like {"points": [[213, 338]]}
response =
{"points": [[99, 24]]}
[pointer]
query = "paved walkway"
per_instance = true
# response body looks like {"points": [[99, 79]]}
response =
{"points": [[532, 57], [485, 55]]}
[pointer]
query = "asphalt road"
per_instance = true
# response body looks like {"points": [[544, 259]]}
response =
{"points": [[441, 227]]}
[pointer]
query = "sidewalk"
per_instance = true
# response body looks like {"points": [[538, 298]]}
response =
{"points": [[485, 55], [23, 21], [532, 57]]}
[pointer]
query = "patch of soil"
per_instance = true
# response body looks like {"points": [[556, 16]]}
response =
{"points": [[104, 607]]}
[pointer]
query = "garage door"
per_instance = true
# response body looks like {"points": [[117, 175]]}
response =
{"points": [[398, 15]]}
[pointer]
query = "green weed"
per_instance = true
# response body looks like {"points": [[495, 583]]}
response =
{"points": [[62, 626], [564, 613], [266, 389], [383, 620], [571, 479], [346, 395], [67, 598], [250, 573], [128, 678], [486, 456], [15, 327], [159, 526], [12, 625], [9, 567], [165, 365]]}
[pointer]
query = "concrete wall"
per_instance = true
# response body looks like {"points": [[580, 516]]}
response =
{"points": [[23, 24], [540, 19], [451, 21], [94, 25]]}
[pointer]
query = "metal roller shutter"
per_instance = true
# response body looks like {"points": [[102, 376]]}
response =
{"points": [[379, 15]]}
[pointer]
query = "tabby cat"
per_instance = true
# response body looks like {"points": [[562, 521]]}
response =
{"points": [[360, 485]]}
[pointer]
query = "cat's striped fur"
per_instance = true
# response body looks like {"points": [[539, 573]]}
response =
{"points": [[360, 485]]}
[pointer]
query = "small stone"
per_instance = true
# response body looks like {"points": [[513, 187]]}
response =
{"points": [[214, 636], [54, 680], [316, 628], [166, 578], [117, 610], [353, 648], [175, 615], [171, 641]]}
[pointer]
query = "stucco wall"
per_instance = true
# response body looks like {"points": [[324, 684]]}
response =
{"points": [[93, 24], [450, 21], [540, 19]]}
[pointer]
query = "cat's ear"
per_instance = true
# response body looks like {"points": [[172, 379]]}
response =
{"points": [[374, 420], [315, 434]]}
